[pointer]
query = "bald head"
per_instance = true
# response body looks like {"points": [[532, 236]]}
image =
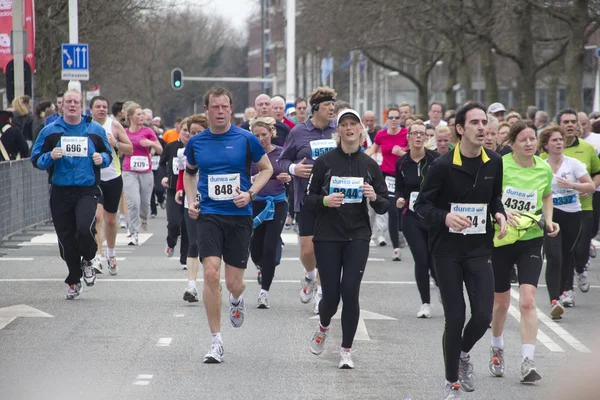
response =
{"points": [[277, 108], [585, 124], [263, 105], [369, 120]]}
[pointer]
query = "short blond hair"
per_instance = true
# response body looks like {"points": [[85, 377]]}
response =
{"points": [[264, 122]]}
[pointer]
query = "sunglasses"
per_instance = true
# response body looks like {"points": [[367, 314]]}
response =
{"points": [[393, 117]]}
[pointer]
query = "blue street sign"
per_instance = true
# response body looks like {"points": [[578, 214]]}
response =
{"points": [[598, 52], [75, 61]]}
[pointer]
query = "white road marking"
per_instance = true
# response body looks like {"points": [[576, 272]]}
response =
{"points": [[49, 239], [164, 342], [290, 238], [557, 329], [298, 259], [16, 258], [541, 336], [9, 314], [178, 315], [361, 329], [143, 380]]}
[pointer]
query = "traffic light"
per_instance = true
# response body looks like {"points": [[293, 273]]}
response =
{"points": [[10, 80], [177, 79]]}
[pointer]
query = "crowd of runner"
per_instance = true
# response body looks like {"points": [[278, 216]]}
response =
{"points": [[480, 196]]}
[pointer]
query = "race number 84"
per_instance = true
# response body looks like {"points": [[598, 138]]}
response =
{"points": [[223, 189]]}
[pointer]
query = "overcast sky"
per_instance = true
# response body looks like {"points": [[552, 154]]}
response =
{"points": [[234, 11]]}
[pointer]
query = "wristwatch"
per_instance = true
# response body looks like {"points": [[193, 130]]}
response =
{"points": [[252, 195], [117, 145]]}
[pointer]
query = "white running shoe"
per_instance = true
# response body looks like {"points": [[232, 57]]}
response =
{"points": [[169, 251], [215, 355], [191, 295], [396, 255], [112, 265], [97, 264], [452, 391], [134, 241], [74, 291], [372, 243], [308, 290], [318, 299], [568, 299], [122, 221], [317, 343], [424, 311], [582, 282], [89, 275], [346, 359], [237, 312], [263, 300], [381, 240]]}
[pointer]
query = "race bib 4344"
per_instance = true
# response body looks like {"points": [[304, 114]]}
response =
{"points": [[350, 187]]}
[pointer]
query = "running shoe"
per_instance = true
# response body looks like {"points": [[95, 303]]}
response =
{"points": [[152, 216], [372, 243], [529, 373], [317, 343], [135, 240], [592, 250], [184, 267], [396, 255], [97, 264], [215, 355], [237, 312], [402, 240], [346, 359], [381, 241], [424, 311], [318, 299], [122, 221], [452, 391], [259, 277], [112, 265], [163, 205], [568, 298], [145, 225], [89, 275], [191, 295], [496, 363], [582, 282], [288, 223], [466, 378], [308, 290], [557, 310], [263, 300], [169, 251], [74, 291]]}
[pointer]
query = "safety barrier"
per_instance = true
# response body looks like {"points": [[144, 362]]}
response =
{"points": [[24, 197]]}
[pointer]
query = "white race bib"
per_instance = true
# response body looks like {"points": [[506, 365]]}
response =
{"points": [[351, 187], [476, 213], [155, 162], [139, 163], [519, 200], [390, 181], [175, 166], [411, 202], [74, 146], [223, 187], [320, 147]]}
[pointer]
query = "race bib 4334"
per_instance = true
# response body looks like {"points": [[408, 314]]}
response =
{"points": [[350, 187], [519, 200]]}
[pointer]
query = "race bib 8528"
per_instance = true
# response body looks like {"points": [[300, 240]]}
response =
{"points": [[519, 200], [320, 147], [350, 187], [74, 146], [476, 213], [223, 187]]}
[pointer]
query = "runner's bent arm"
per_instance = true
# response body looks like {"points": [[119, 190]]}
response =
{"points": [[190, 185], [496, 205], [399, 180], [125, 146], [288, 155], [430, 191], [382, 203], [40, 153], [265, 170], [314, 198], [104, 149]]}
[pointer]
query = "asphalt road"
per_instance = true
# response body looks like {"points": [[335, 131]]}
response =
{"points": [[133, 337]]}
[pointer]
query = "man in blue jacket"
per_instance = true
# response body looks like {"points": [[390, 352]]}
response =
{"points": [[73, 150]]}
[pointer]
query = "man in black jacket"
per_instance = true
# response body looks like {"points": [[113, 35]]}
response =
{"points": [[462, 190]]}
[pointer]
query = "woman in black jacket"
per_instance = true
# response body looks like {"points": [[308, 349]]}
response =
{"points": [[12, 144], [339, 186], [411, 170]]}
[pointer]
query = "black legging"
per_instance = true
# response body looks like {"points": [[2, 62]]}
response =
{"points": [[478, 277], [596, 205], [582, 248], [265, 239], [559, 253], [394, 224], [332, 258], [192, 234], [415, 232], [176, 225]]}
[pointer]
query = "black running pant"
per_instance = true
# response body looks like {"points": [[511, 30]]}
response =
{"points": [[158, 193], [582, 247], [176, 226], [73, 212], [478, 276], [596, 206], [265, 240], [415, 232], [333, 258], [560, 261]]}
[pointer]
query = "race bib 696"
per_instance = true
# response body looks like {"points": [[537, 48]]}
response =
{"points": [[74, 146]]}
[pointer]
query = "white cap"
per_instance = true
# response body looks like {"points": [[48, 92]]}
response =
{"points": [[289, 111], [496, 107], [346, 112]]}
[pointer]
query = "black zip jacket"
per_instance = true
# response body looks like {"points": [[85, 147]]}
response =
{"points": [[410, 176], [165, 166], [453, 178], [350, 221]]}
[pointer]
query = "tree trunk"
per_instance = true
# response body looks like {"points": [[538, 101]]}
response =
{"points": [[451, 81], [575, 55], [527, 66], [465, 75], [553, 95], [423, 86], [489, 73]]}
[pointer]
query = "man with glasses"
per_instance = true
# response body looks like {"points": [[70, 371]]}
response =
{"points": [[435, 115], [497, 110]]}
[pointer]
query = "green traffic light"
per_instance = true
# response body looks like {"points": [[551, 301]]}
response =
{"points": [[177, 83]]}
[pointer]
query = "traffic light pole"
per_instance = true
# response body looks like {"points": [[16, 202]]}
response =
{"points": [[231, 79], [74, 38], [17, 45]]}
